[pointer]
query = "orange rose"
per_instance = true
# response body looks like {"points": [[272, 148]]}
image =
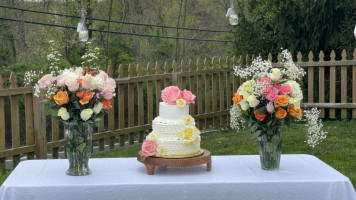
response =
{"points": [[281, 101], [281, 113], [260, 116], [61, 98], [295, 112], [237, 98], [86, 96], [106, 104]]}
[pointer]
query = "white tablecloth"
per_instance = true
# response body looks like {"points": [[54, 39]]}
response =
{"points": [[301, 177]]}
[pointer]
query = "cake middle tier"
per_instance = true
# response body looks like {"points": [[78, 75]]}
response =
{"points": [[177, 148]]}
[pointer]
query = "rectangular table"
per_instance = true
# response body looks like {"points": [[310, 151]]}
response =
{"points": [[302, 177]]}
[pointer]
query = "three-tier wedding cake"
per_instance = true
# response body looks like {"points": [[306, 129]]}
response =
{"points": [[174, 134]]}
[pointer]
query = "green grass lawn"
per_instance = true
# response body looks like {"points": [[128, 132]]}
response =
{"points": [[338, 150]]}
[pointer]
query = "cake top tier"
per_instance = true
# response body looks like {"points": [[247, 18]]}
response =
{"points": [[172, 112]]}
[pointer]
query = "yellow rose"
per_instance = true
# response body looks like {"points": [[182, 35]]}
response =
{"points": [[181, 102], [160, 150], [275, 75], [97, 108], [86, 114], [252, 100], [63, 113], [152, 137], [188, 120]]}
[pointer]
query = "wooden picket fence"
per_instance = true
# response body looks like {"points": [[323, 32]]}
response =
{"points": [[138, 96]]}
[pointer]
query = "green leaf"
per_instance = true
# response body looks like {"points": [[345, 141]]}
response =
{"points": [[275, 140], [262, 109], [51, 111], [256, 134]]}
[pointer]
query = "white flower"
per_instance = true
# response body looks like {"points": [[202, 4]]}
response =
{"points": [[275, 74], [252, 100], [236, 121], [270, 107], [86, 114], [258, 69], [97, 83], [181, 102], [315, 134], [63, 113], [291, 70], [244, 105], [295, 102], [97, 108]]}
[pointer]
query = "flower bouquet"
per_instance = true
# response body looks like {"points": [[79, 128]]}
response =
{"points": [[78, 97], [267, 102]]}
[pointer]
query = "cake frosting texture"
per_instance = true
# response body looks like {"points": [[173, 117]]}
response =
{"points": [[175, 132]]}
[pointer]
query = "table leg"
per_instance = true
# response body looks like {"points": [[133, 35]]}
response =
{"points": [[208, 165], [150, 169]]}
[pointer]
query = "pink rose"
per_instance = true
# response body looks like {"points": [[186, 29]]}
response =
{"points": [[102, 75], [188, 96], [46, 81], [111, 82], [72, 84], [170, 94], [272, 96], [108, 92], [285, 90], [149, 148], [61, 80]]}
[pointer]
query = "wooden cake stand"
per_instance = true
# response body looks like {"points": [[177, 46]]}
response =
{"points": [[152, 162]]}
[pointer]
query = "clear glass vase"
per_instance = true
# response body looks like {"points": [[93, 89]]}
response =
{"points": [[270, 149], [78, 137]]}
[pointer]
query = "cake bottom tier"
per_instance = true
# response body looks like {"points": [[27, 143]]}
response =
{"points": [[177, 149]]}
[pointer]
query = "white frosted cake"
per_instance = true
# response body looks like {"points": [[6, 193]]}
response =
{"points": [[175, 133]]}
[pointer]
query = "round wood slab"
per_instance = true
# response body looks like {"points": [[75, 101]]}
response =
{"points": [[152, 162]]}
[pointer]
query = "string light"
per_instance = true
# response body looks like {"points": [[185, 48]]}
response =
{"points": [[232, 14]]}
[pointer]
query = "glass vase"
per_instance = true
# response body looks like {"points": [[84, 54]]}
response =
{"points": [[270, 150], [78, 137]]}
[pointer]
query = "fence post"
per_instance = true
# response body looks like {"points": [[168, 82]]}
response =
{"points": [[2, 128], [354, 85], [40, 127]]}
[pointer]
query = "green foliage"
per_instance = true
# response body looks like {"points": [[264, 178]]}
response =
{"points": [[266, 26]]}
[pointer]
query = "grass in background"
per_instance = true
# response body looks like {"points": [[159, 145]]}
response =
{"points": [[338, 150]]}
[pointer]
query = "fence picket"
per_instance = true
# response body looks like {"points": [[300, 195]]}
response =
{"points": [[121, 105], [140, 102], [332, 84], [207, 92], [322, 84], [310, 79], [343, 85], [30, 138], [199, 93], [131, 105], [167, 82], [15, 119], [228, 89], [191, 88], [214, 90], [234, 78], [221, 93], [111, 114]]}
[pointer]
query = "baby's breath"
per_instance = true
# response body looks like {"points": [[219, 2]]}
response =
{"points": [[236, 121], [258, 69], [315, 134]]}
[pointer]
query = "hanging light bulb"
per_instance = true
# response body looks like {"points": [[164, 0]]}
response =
{"points": [[82, 28], [232, 14], [355, 32]]}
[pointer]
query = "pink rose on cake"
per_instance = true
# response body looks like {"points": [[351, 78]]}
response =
{"points": [[170, 94], [188, 96], [149, 148]]}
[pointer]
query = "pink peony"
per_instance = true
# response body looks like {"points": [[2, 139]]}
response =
{"points": [[170, 94], [108, 92], [272, 96], [285, 90], [61, 80], [102, 75], [46, 81], [149, 148], [111, 82], [72, 84], [188, 96]]}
